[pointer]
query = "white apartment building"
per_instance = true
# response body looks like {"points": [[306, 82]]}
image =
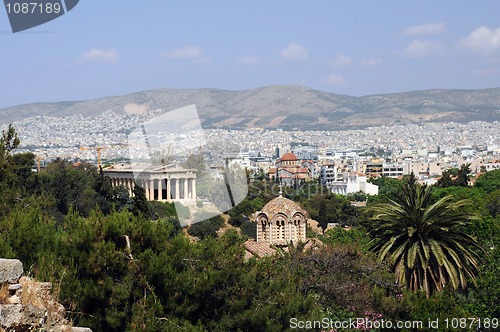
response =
{"points": [[353, 182]]}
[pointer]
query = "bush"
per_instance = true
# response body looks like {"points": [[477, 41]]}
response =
{"points": [[183, 212], [206, 228], [162, 209], [339, 235], [249, 228]]}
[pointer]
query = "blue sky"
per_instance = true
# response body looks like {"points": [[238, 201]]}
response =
{"points": [[104, 48]]}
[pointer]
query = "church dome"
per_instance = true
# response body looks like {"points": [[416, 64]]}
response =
{"points": [[283, 205], [289, 157], [280, 222]]}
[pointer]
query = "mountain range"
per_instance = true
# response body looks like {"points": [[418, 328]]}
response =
{"points": [[286, 107]]}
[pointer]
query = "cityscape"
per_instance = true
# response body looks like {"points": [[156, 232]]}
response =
{"points": [[392, 151], [231, 166]]}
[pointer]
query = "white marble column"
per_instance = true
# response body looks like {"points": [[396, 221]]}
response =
{"points": [[132, 186], [152, 189], [160, 189], [186, 189], [177, 189], [168, 190], [146, 188]]}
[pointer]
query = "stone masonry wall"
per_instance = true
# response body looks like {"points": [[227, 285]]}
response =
{"points": [[26, 304]]}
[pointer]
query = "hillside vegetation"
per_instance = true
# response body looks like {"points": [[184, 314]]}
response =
{"points": [[123, 264]]}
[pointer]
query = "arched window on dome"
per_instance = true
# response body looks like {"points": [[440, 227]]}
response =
{"points": [[298, 219], [280, 228], [262, 228]]}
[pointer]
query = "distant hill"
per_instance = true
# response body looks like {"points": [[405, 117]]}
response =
{"points": [[287, 107]]}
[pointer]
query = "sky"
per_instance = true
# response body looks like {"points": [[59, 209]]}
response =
{"points": [[106, 48]]}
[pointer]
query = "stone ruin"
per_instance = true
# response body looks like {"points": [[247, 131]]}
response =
{"points": [[27, 305]]}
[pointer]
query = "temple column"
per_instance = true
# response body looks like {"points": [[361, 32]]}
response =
{"points": [[152, 190], [160, 189], [149, 190], [130, 186], [190, 185], [146, 189], [169, 198], [186, 189], [177, 189]]}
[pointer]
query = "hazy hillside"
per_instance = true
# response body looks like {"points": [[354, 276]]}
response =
{"points": [[287, 107]]}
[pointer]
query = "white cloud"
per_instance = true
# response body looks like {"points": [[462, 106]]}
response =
{"points": [[482, 40], [368, 62], [189, 52], [422, 48], [335, 80], [342, 61], [425, 29], [487, 71], [247, 60], [95, 56], [202, 61], [294, 52]]}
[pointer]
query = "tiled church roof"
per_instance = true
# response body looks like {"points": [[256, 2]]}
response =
{"points": [[259, 249], [281, 204], [289, 157]]}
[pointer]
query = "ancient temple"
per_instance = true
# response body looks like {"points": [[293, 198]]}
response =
{"points": [[162, 183]]}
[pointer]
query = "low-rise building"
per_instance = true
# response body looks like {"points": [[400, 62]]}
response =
{"points": [[353, 182]]}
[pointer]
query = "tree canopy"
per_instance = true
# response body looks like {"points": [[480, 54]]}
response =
{"points": [[426, 242]]}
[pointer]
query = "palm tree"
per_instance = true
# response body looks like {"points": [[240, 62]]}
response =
{"points": [[425, 242]]}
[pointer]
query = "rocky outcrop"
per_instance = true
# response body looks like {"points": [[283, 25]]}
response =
{"points": [[27, 305], [10, 270]]}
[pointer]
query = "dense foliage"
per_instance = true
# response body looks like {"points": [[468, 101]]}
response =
{"points": [[124, 264], [426, 242]]}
